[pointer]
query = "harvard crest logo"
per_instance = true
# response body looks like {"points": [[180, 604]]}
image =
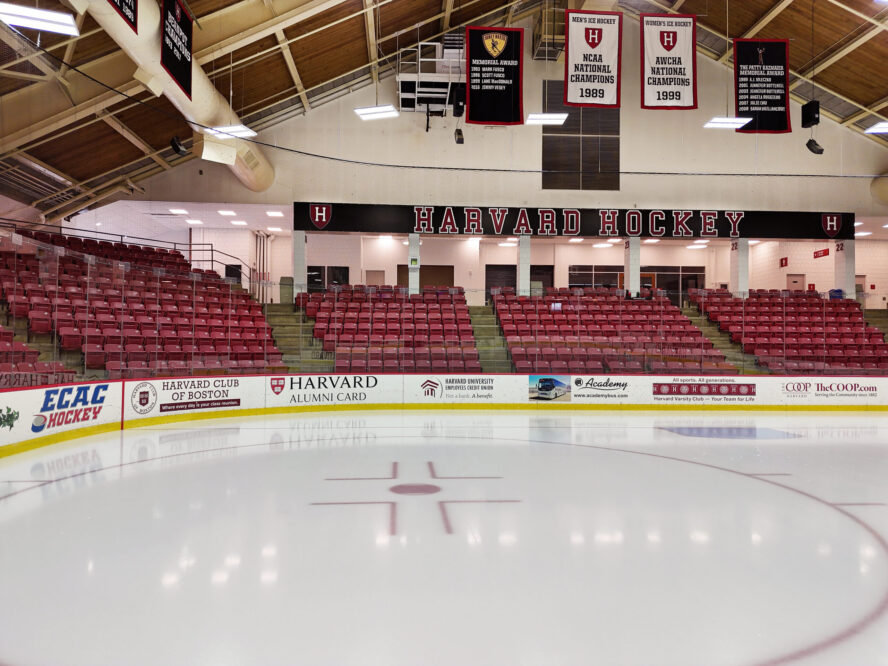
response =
{"points": [[178, 13], [593, 37], [831, 224], [494, 43], [668, 39], [320, 214], [277, 385]]}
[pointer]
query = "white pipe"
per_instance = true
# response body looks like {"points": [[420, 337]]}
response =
{"points": [[206, 107]]}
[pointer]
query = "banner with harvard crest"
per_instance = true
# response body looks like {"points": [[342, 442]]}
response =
{"points": [[593, 61], [494, 69], [668, 61]]}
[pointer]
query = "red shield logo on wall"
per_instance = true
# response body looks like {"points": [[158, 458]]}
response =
{"points": [[831, 224], [593, 37], [277, 385], [668, 39], [320, 214]]}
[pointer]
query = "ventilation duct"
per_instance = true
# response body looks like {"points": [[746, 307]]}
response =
{"points": [[207, 107]]}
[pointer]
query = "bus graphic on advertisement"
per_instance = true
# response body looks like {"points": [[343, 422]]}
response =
{"points": [[549, 388]]}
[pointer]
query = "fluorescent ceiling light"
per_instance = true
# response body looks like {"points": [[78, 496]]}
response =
{"points": [[651, 240], [701, 241], [575, 240], [99, 224], [512, 240], [239, 223], [227, 213], [194, 221], [405, 242], [273, 228], [878, 128], [858, 224], [885, 226], [178, 211], [863, 233], [274, 213], [39, 19], [377, 112], [724, 122], [387, 237], [507, 244], [754, 242], [546, 118], [696, 247], [614, 240], [602, 245], [231, 132]]}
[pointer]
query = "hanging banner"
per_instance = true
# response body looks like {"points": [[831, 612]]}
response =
{"points": [[175, 50], [494, 68], [129, 12], [761, 85], [668, 61], [593, 64]]}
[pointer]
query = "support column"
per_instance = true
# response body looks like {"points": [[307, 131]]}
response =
{"points": [[632, 266], [524, 265], [300, 263], [845, 267], [413, 263], [739, 282]]}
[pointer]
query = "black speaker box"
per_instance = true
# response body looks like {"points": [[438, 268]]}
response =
{"points": [[811, 114]]}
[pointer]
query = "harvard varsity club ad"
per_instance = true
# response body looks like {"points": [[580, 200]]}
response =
{"points": [[494, 68], [668, 61], [593, 64], [761, 85]]}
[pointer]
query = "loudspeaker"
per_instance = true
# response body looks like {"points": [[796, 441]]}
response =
{"points": [[177, 146], [811, 114]]}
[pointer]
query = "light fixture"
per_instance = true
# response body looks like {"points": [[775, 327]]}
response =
{"points": [[878, 128], [727, 122], [178, 211], [239, 223], [227, 213], [863, 233], [194, 221], [651, 240], [701, 241], [814, 147], [754, 242], [545, 118], [602, 245], [177, 146], [382, 238], [39, 19], [858, 224], [377, 112], [274, 213], [575, 240], [512, 239], [696, 247], [459, 137], [231, 132], [507, 244], [274, 228], [99, 224], [405, 242], [885, 226], [614, 240]]}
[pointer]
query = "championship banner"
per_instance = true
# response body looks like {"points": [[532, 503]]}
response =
{"points": [[175, 49], [761, 84], [494, 67], [129, 12], [594, 56], [668, 61]]}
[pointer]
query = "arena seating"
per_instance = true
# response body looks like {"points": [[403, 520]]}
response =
{"points": [[383, 329], [151, 315], [599, 330], [798, 332]]}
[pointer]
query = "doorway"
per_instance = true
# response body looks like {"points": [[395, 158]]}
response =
{"points": [[429, 276], [545, 275], [500, 275], [860, 287], [375, 278], [648, 280], [796, 282]]}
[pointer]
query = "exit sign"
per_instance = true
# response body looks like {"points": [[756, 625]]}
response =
{"points": [[821, 253]]}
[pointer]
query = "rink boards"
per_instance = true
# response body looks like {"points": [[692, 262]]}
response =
{"points": [[36, 416]]}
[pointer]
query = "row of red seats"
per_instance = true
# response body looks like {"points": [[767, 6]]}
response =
{"points": [[820, 367], [448, 366], [568, 354], [163, 367], [408, 353]]}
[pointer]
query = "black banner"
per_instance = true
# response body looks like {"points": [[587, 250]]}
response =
{"points": [[581, 222], [129, 12], [761, 84], [175, 51], [494, 69]]}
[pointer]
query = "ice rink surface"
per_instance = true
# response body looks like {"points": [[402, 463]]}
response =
{"points": [[462, 538]]}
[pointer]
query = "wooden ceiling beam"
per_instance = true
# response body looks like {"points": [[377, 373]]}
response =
{"points": [[447, 8], [765, 19], [118, 126], [70, 47], [370, 29], [831, 60], [65, 43], [873, 109], [677, 5], [291, 67], [12, 74], [869, 19], [18, 43]]}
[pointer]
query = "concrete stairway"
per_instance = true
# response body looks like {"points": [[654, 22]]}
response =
{"points": [[491, 345], [721, 340], [292, 333]]}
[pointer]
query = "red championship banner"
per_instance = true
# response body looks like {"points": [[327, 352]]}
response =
{"points": [[494, 71], [761, 85], [668, 61], [593, 60]]}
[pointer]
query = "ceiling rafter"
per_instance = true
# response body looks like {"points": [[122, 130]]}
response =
{"points": [[120, 127], [447, 8], [863, 113], [869, 19], [291, 67], [370, 29], [27, 58], [757, 27]]}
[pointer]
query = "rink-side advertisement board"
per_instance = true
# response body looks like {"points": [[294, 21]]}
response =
{"points": [[593, 58], [581, 222], [494, 72], [761, 85], [668, 61], [94, 407]]}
